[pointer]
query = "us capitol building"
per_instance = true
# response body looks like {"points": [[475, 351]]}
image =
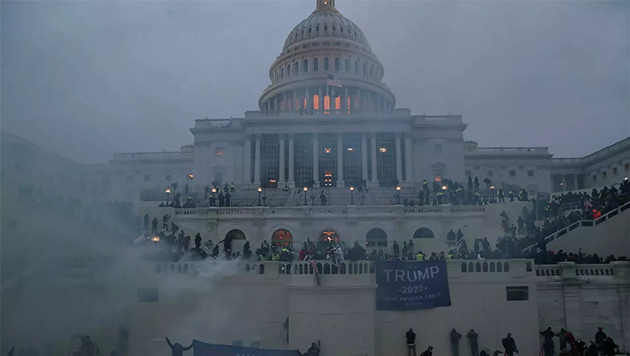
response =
{"points": [[328, 122]]}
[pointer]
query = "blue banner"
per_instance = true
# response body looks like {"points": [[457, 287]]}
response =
{"points": [[204, 349], [411, 285]]}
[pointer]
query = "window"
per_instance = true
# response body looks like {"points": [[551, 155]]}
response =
{"points": [[288, 70], [376, 237], [147, 177], [468, 173], [604, 175], [334, 28], [517, 293], [594, 178], [305, 66], [364, 69], [315, 64], [147, 294], [317, 28], [626, 167], [438, 173], [530, 173], [615, 171], [325, 63], [129, 176], [512, 173], [437, 149], [490, 173], [356, 67], [295, 68], [218, 151], [336, 64], [281, 73], [347, 65], [325, 27], [423, 233], [371, 71]]}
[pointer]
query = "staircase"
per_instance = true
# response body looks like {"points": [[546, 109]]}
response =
{"points": [[612, 237]]}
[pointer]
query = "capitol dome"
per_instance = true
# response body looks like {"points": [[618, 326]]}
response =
{"points": [[323, 45]]}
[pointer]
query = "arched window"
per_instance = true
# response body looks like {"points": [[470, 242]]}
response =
{"points": [[315, 102], [305, 66], [325, 27], [336, 64], [364, 69], [347, 65], [376, 237], [423, 233], [356, 67], [282, 238], [506, 267], [464, 268], [309, 29], [325, 63], [317, 28], [295, 68], [288, 70], [281, 73], [235, 235], [315, 64], [334, 28], [371, 71]]}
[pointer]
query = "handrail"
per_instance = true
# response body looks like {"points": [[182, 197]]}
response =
{"points": [[579, 223]]}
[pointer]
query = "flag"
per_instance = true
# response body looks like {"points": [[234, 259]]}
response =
{"points": [[11, 351], [334, 86], [316, 273], [588, 205]]}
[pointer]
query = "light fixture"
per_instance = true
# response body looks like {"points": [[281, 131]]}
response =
{"points": [[327, 150], [167, 191], [398, 188], [305, 189], [214, 190], [383, 149], [259, 189], [444, 187], [350, 149], [351, 188], [190, 176], [492, 187], [155, 239]]}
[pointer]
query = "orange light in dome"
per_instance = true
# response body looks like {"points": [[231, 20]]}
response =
{"points": [[438, 179], [338, 103], [304, 103], [315, 102], [327, 150], [327, 102]]}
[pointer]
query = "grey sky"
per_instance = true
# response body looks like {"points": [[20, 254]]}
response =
{"points": [[87, 79]]}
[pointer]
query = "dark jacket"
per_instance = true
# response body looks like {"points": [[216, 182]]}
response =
{"points": [[411, 337]]}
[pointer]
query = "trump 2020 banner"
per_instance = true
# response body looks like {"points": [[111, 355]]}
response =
{"points": [[205, 349], [411, 285]]}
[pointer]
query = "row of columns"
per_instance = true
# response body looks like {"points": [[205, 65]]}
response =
{"points": [[304, 99], [340, 180]]}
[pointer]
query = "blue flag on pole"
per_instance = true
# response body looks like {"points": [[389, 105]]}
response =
{"points": [[411, 285], [204, 349]]}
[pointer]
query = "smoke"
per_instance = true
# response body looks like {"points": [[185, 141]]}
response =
{"points": [[61, 279]]}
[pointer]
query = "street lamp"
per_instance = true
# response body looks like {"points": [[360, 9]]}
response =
{"points": [[398, 195], [168, 193], [444, 187], [351, 195], [259, 191], [492, 189], [305, 190]]}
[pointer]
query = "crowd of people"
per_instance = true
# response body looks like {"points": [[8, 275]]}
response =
{"points": [[602, 345]]}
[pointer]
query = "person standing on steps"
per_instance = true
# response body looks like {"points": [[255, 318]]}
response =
{"points": [[177, 349], [473, 339], [411, 342], [455, 336]]}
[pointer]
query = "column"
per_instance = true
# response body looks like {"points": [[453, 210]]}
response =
{"points": [[344, 105], [575, 180], [247, 170], [374, 182], [378, 103], [364, 158], [360, 104], [275, 103], [564, 182], [340, 182], [309, 103], [321, 101], [257, 162], [408, 159], [315, 161], [291, 162], [284, 100], [293, 100], [398, 158], [281, 177]]}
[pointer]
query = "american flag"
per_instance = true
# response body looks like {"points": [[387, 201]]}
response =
{"points": [[587, 204], [316, 270], [333, 81]]}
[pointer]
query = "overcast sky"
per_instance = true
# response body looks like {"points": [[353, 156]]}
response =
{"points": [[87, 79]]}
